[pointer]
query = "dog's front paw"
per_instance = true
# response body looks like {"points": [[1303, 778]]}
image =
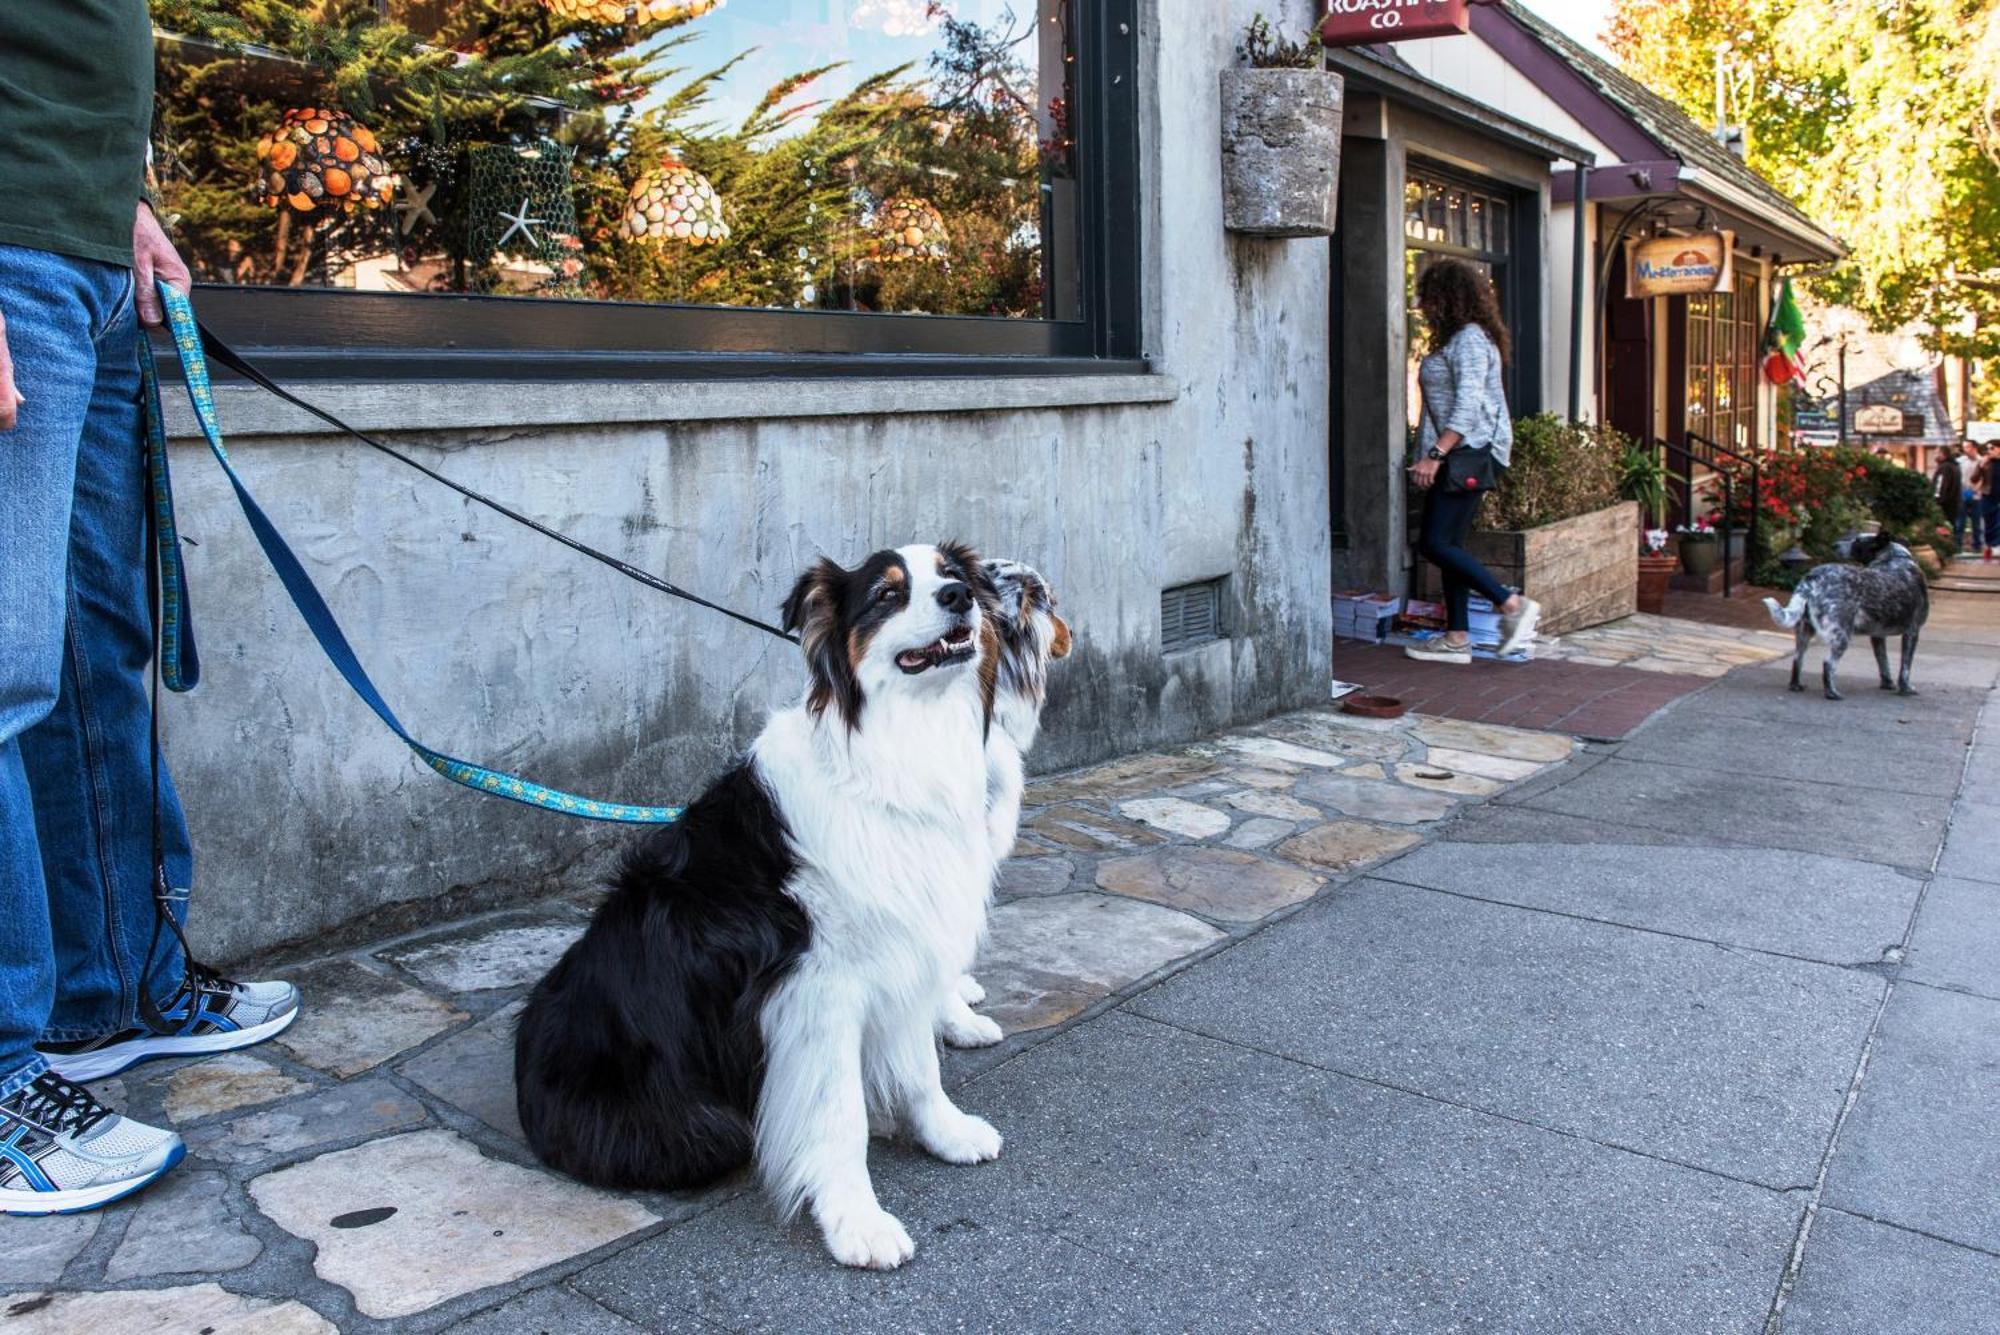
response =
{"points": [[971, 1031], [969, 990], [869, 1239], [963, 1139]]}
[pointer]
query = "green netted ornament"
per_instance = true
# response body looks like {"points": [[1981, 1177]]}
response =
{"points": [[521, 223]]}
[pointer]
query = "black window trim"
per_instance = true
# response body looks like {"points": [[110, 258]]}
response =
{"points": [[396, 336], [1521, 304]]}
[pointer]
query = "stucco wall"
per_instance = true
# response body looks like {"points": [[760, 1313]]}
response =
{"points": [[497, 646]]}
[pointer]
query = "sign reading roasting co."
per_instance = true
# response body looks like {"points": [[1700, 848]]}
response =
{"points": [[1354, 22], [1667, 266]]}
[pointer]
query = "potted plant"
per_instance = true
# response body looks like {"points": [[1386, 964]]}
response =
{"points": [[1700, 548], [1656, 567], [1643, 478], [1280, 137]]}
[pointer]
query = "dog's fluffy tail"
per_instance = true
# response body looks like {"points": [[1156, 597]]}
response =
{"points": [[1790, 614]]}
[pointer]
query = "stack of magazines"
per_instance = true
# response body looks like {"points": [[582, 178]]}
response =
{"points": [[1361, 615]]}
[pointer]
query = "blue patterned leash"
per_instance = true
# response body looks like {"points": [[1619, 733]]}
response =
{"points": [[180, 665]]}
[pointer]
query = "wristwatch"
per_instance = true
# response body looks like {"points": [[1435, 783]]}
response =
{"points": [[1434, 453]]}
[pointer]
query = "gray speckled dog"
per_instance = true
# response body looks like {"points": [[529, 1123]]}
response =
{"points": [[1884, 595]]}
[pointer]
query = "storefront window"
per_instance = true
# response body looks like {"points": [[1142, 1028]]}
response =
{"points": [[1723, 331], [1443, 219], [903, 157]]}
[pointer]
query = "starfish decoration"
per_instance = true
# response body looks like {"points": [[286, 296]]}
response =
{"points": [[520, 222], [416, 206]]}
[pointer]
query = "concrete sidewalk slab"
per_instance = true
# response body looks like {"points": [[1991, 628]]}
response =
{"points": [[1818, 908], [1921, 1148], [1957, 942], [1511, 823], [1725, 1059], [1864, 1278], [1737, 808], [1972, 850], [1900, 760], [1154, 1180], [1759, 695]]}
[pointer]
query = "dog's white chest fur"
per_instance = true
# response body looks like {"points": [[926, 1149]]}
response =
{"points": [[889, 826]]}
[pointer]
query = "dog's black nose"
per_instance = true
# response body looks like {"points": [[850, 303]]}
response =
{"points": [[955, 596]]}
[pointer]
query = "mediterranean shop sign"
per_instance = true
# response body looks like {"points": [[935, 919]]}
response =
{"points": [[1669, 266], [1354, 22]]}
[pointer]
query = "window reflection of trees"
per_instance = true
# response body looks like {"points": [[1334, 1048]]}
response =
{"points": [[979, 132]]}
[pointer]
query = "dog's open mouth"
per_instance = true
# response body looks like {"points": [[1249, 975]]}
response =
{"points": [[952, 647]]}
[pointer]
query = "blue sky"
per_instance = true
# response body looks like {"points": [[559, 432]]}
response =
{"points": [[873, 35], [792, 35]]}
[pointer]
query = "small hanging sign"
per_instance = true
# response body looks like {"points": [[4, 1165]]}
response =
{"points": [[1669, 266], [1357, 22], [1885, 419]]}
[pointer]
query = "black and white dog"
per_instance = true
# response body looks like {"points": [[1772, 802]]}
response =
{"points": [[766, 973], [1885, 595], [1031, 636]]}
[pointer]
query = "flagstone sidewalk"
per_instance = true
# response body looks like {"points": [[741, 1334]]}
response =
{"points": [[366, 1171]]}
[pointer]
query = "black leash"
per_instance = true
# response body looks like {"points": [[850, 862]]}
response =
{"points": [[224, 355]]}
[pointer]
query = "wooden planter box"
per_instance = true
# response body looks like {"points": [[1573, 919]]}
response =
{"points": [[1280, 151], [1583, 571]]}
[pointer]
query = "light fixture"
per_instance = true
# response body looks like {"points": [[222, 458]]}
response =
{"points": [[638, 11], [674, 202], [905, 228], [320, 162]]}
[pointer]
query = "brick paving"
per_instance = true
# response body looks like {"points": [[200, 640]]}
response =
{"points": [[1582, 699]]}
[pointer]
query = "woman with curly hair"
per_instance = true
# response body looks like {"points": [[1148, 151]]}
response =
{"points": [[1465, 408]]}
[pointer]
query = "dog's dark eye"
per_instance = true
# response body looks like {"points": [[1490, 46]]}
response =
{"points": [[887, 592]]}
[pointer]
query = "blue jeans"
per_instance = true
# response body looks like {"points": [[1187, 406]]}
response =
{"points": [[1989, 512], [1447, 519], [76, 825], [1966, 518]]}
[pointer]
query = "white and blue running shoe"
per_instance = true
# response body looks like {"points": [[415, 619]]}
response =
{"points": [[62, 1151], [209, 1014]]}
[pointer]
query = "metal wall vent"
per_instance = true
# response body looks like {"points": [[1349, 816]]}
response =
{"points": [[1190, 614]]}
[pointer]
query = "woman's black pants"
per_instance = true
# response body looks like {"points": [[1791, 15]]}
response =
{"points": [[1447, 519]]}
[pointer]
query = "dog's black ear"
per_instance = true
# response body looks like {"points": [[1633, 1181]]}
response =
{"points": [[812, 612]]}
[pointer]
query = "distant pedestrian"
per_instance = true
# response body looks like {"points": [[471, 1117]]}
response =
{"points": [[1465, 408], [1968, 461], [1987, 480], [1949, 488]]}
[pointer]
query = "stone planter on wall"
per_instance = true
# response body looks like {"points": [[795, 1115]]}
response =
{"points": [[1583, 571], [1280, 151]]}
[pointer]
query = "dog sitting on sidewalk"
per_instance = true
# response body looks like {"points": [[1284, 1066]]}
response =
{"points": [[1032, 636], [765, 979], [1885, 595]]}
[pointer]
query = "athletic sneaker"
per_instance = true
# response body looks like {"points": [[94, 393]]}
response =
{"points": [[62, 1151], [221, 1016], [1437, 651], [1518, 631]]}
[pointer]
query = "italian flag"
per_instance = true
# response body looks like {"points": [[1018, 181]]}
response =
{"points": [[1783, 337]]}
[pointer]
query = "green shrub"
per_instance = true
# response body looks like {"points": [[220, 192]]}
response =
{"points": [[1559, 470]]}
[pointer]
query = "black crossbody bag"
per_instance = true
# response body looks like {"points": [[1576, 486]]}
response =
{"points": [[1464, 469]]}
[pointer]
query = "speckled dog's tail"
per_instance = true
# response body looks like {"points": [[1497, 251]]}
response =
{"points": [[1790, 614]]}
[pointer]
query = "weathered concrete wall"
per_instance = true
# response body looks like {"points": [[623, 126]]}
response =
{"points": [[496, 645]]}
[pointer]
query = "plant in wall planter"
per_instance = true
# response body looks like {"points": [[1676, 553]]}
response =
{"points": [[1656, 567], [1280, 137], [1700, 549]]}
